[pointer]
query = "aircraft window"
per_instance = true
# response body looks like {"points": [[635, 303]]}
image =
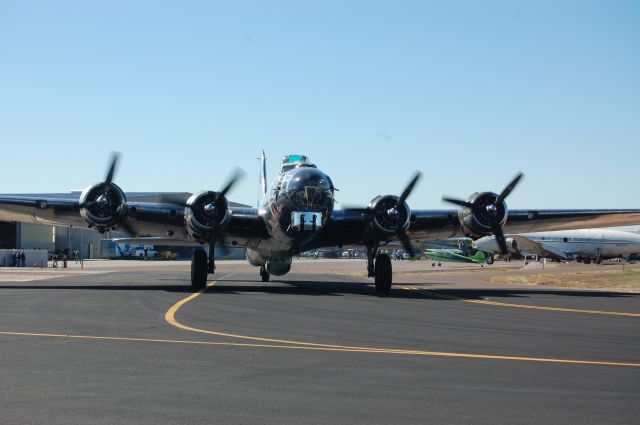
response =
{"points": [[294, 158], [306, 165]]}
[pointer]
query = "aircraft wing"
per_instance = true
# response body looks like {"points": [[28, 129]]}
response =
{"points": [[147, 218], [538, 248], [445, 223], [355, 227]]}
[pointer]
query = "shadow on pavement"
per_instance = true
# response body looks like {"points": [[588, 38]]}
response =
{"points": [[327, 288]]}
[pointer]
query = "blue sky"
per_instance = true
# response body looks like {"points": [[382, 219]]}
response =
{"points": [[467, 92]]}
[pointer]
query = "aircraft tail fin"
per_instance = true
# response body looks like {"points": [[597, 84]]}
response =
{"points": [[263, 175], [479, 256]]}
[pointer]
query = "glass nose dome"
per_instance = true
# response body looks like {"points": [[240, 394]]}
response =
{"points": [[310, 188]]}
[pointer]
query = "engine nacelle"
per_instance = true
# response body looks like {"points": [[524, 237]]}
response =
{"points": [[387, 219], [206, 213], [279, 266], [476, 221], [103, 207]]}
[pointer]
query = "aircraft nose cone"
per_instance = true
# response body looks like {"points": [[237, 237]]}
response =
{"points": [[309, 177], [310, 190]]}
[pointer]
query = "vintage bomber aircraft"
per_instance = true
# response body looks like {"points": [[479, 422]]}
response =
{"points": [[296, 214]]}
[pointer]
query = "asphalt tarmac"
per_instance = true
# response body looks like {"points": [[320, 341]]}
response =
{"points": [[130, 344]]}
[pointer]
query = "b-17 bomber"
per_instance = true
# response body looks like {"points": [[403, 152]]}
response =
{"points": [[297, 213]]}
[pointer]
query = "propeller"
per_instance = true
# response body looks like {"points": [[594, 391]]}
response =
{"points": [[491, 210], [402, 234], [393, 213], [104, 200], [212, 208]]}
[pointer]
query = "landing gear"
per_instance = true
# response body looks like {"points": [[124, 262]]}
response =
{"points": [[380, 270], [372, 250], [264, 274], [199, 269], [383, 274], [211, 266]]}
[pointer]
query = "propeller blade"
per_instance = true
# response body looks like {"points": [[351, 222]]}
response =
{"points": [[87, 204], [458, 202], [406, 243], [112, 170], [407, 191], [499, 235], [128, 228], [237, 175], [507, 190]]}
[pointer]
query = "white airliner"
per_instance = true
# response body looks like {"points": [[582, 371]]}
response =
{"points": [[584, 245]]}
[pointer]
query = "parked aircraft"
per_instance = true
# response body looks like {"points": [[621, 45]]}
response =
{"points": [[456, 256], [584, 245], [296, 214]]}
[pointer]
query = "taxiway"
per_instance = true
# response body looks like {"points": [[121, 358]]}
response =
{"points": [[129, 343]]}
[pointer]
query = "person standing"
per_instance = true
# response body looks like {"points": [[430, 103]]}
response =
{"points": [[23, 258], [14, 258]]}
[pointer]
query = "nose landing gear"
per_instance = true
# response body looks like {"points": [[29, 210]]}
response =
{"points": [[264, 274]]}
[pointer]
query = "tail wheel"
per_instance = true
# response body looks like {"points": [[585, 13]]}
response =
{"points": [[199, 270], [384, 274]]}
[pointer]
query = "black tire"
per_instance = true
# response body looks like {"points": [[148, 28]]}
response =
{"points": [[384, 274], [265, 275], [199, 270], [586, 260], [489, 260]]}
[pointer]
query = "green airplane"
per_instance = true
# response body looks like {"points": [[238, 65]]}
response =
{"points": [[456, 255]]}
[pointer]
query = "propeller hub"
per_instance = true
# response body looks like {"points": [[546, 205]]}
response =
{"points": [[492, 209], [393, 213], [210, 209], [103, 201]]}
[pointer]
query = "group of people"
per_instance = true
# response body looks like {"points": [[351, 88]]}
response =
{"points": [[18, 258]]}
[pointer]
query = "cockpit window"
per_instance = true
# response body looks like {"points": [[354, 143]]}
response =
{"points": [[290, 162]]}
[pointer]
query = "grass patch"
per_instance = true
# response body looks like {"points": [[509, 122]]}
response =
{"points": [[617, 279]]}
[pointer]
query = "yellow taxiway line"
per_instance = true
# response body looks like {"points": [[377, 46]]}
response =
{"points": [[329, 348], [300, 345], [530, 307]]}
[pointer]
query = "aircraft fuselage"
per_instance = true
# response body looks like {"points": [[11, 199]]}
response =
{"points": [[295, 209]]}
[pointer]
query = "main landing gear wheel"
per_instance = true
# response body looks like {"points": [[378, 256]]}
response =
{"points": [[199, 269], [264, 274], [384, 274]]}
